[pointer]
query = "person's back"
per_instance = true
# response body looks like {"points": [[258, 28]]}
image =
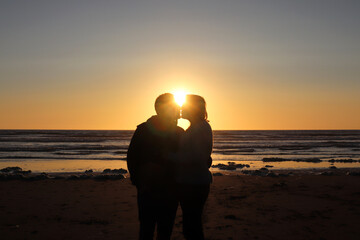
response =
{"points": [[152, 172], [147, 155]]}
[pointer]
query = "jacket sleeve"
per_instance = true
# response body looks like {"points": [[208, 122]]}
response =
{"points": [[134, 155]]}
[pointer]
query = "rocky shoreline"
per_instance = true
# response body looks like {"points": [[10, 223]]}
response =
{"points": [[16, 173]]}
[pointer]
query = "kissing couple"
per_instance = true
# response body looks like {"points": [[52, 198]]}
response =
{"points": [[170, 166]]}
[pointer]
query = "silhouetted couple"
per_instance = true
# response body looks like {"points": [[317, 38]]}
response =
{"points": [[169, 166]]}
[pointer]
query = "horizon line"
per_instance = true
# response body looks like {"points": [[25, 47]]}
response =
{"points": [[55, 129]]}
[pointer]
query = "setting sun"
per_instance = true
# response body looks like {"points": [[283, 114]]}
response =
{"points": [[180, 97]]}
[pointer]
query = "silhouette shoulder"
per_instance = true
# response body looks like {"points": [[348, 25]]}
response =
{"points": [[180, 129], [141, 126]]}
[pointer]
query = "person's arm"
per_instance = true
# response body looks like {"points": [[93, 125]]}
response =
{"points": [[134, 155]]}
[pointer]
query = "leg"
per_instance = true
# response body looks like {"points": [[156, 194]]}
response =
{"points": [[166, 216], [146, 215], [192, 202]]}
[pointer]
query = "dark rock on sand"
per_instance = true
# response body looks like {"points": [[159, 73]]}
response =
{"points": [[218, 174], [269, 166], [89, 171], [14, 170], [217, 165], [242, 165], [80, 177], [109, 177], [119, 171], [13, 173], [224, 167], [230, 166], [333, 167], [246, 171], [10, 169]]}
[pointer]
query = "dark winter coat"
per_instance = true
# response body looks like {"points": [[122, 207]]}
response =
{"points": [[147, 156]]}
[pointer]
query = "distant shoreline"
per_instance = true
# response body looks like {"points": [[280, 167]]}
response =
{"points": [[34, 129]]}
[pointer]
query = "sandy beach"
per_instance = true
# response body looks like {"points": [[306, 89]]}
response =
{"points": [[264, 95], [302, 206]]}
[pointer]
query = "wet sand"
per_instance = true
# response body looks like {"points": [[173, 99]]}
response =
{"points": [[303, 206]]}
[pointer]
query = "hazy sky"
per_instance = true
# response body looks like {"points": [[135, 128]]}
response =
{"points": [[101, 64]]}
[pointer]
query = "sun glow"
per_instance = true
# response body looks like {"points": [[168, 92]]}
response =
{"points": [[180, 97]]}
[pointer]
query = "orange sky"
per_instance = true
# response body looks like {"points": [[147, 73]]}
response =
{"points": [[105, 102], [294, 65]]}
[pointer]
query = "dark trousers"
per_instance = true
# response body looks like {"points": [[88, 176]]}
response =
{"points": [[156, 208], [192, 200]]}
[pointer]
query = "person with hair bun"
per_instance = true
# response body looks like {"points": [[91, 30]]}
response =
{"points": [[192, 162]]}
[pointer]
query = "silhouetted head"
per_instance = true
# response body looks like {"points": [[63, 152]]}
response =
{"points": [[194, 108], [166, 107]]}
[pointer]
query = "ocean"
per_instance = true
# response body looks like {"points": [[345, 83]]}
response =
{"points": [[80, 150]]}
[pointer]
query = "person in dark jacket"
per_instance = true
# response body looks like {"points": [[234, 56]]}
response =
{"points": [[152, 172]]}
